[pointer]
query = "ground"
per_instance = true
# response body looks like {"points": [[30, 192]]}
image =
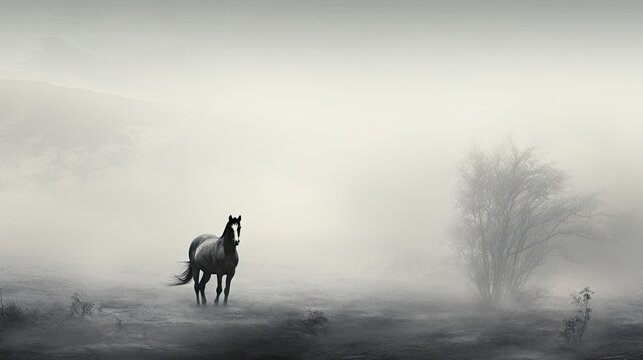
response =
{"points": [[152, 321]]}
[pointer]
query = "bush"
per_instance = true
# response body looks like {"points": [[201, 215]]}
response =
{"points": [[119, 324], [315, 319], [12, 314], [80, 306], [574, 326]]}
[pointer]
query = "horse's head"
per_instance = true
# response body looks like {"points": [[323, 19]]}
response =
{"points": [[234, 224]]}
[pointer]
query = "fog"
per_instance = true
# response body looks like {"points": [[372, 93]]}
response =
{"points": [[334, 129]]}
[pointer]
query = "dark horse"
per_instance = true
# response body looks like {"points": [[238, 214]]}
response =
{"points": [[213, 255]]}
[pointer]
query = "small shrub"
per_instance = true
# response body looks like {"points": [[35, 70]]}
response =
{"points": [[119, 324], [315, 319], [80, 306], [574, 326], [12, 314]]}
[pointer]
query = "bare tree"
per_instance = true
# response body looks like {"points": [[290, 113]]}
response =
{"points": [[510, 204]]}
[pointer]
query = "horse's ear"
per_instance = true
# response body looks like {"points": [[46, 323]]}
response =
{"points": [[239, 217], [230, 218]]}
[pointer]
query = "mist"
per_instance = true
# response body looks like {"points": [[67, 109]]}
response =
{"points": [[335, 129]]}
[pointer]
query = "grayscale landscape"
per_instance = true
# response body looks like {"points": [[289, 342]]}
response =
{"points": [[266, 318], [417, 180]]}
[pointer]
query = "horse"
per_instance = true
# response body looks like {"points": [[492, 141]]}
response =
{"points": [[212, 255]]}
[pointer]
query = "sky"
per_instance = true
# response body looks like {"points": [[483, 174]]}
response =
{"points": [[334, 127]]}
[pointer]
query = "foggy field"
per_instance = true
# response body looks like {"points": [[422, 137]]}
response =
{"points": [[402, 168], [138, 319]]}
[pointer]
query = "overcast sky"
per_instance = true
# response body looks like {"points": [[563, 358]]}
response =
{"points": [[333, 127]]}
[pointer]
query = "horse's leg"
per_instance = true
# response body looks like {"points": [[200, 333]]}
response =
{"points": [[195, 276], [228, 279], [204, 280], [219, 288]]}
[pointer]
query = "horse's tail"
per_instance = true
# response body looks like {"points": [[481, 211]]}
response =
{"points": [[185, 276]]}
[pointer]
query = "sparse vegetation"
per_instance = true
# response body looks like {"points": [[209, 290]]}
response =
{"points": [[80, 306], [119, 324], [12, 314], [399, 326], [315, 320], [574, 326]]}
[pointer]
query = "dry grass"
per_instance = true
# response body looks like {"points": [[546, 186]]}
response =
{"points": [[314, 321], [261, 322]]}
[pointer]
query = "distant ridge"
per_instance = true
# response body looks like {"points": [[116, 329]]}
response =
{"points": [[37, 85]]}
